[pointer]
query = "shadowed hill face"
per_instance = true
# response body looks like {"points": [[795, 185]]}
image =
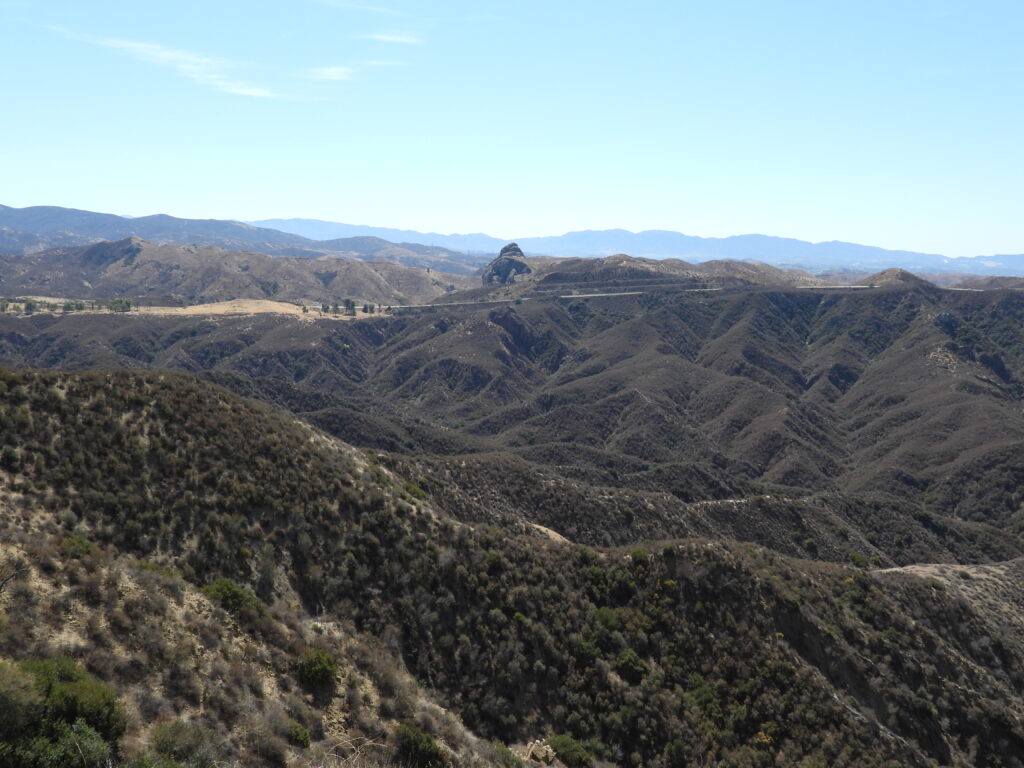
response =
{"points": [[196, 274], [874, 423], [669, 652]]}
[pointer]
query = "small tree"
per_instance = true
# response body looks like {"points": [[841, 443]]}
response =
{"points": [[317, 669]]}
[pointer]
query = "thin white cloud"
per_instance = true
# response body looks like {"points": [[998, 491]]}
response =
{"points": [[361, 7], [328, 73], [398, 39], [208, 71]]}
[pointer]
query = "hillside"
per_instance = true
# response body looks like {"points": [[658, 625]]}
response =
{"points": [[868, 425], [40, 228], [195, 274], [671, 654], [893, 277], [514, 275]]}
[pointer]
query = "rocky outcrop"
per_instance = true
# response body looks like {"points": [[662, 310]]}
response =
{"points": [[510, 263]]}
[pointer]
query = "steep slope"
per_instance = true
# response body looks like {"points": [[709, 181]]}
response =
{"points": [[195, 274], [671, 654], [871, 424]]}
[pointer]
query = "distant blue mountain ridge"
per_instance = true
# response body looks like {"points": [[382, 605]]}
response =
{"points": [[25, 230], [661, 244]]}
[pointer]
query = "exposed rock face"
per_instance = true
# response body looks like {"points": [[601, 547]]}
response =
{"points": [[510, 262]]}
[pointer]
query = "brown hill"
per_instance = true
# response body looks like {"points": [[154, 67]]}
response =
{"points": [[849, 424], [893, 277], [544, 276], [623, 271], [198, 274]]}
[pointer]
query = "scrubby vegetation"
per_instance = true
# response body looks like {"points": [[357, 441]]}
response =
{"points": [[53, 713], [217, 510], [774, 416]]}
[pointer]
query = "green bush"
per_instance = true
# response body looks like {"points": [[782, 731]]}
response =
{"points": [[571, 752], [298, 735], [78, 546], [10, 457], [54, 714], [414, 490], [74, 746], [232, 596], [49, 672], [317, 668], [72, 694], [859, 560], [630, 666], [90, 701], [608, 618], [417, 747]]}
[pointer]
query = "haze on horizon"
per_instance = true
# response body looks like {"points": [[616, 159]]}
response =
{"points": [[893, 124]]}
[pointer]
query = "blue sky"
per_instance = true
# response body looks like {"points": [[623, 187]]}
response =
{"points": [[888, 123]]}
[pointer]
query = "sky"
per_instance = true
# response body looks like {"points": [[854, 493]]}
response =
{"points": [[897, 123]]}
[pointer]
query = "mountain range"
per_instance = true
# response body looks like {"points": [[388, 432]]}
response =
{"points": [[28, 230], [24, 230], [777, 251], [191, 274]]}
